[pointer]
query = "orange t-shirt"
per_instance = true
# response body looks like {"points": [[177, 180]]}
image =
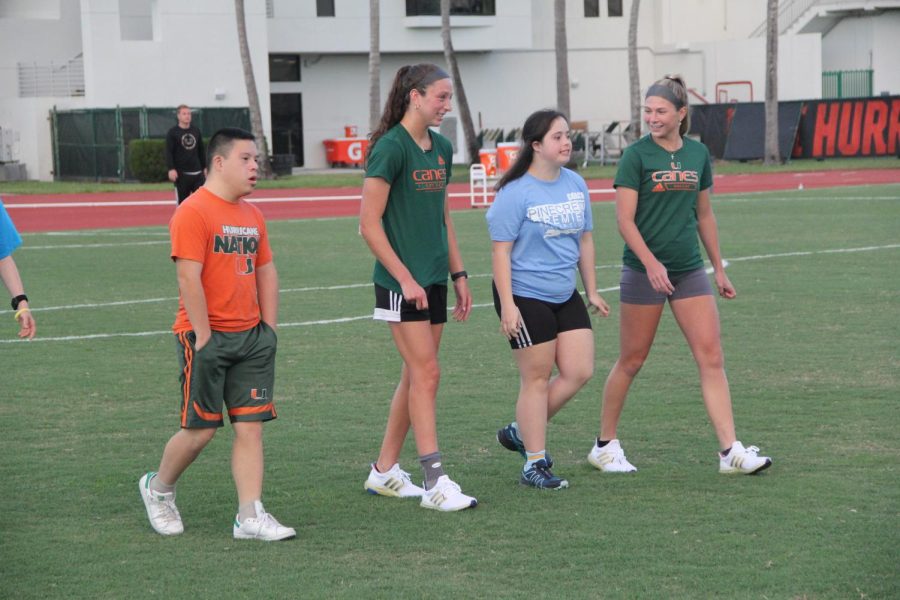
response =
{"points": [[231, 242]]}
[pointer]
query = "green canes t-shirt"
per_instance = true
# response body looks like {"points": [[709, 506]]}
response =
{"points": [[414, 216], [667, 184]]}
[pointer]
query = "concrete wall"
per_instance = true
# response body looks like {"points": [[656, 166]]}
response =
{"points": [[296, 28], [36, 31], [885, 51], [679, 21], [193, 53], [871, 42], [190, 55], [27, 122], [39, 32], [799, 68], [849, 45]]}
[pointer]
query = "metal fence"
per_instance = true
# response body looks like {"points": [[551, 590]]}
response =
{"points": [[847, 84], [92, 144]]}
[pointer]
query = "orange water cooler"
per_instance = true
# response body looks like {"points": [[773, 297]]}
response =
{"points": [[488, 159]]}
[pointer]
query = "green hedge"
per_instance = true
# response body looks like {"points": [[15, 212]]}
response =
{"points": [[147, 160]]}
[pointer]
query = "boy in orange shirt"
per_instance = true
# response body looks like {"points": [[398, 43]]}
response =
{"points": [[225, 329]]}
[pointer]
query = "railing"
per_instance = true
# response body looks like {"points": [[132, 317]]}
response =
{"points": [[788, 13], [847, 84], [51, 79]]}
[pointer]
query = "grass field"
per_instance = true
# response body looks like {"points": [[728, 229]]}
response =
{"points": [[813, 359]]}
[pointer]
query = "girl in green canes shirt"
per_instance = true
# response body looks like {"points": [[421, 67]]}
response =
{"points": [[662, 204], [405, 220]]}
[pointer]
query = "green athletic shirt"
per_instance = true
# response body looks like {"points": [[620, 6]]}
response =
{"points": [[414, 216], [667, 185]]}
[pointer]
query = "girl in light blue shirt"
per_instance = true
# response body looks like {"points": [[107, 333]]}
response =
{"points": [[540, 224]]}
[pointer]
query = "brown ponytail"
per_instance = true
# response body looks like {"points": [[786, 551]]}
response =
{"points": [[408, 78]]}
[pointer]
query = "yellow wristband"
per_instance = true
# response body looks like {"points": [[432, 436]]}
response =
{"points": [[21, 312]]}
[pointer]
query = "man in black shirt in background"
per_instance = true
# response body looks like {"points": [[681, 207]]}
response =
{"points": [[185, 156]]}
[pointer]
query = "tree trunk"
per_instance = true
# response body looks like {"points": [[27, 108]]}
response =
{"points": [[374, 65], [562, 58], [265, 168], [634, 78], [772, 152], [462, 104]]}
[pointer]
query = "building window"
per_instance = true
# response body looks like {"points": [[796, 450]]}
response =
{"points": [[136, 19], [591, 8], [614, 7], [432, 8], [324, 8], [284, 67]]}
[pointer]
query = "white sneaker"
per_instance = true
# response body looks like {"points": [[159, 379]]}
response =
{"points": [[161, 509], [395, 482], [610, 458], [263, 527], [743, 460], [447, 496]]}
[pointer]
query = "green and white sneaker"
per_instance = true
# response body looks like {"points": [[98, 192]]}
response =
{"points": [[509, 438], [394, 482], [264, 527], [447, 496], [743, 460], [161, 510], [610, 458]]}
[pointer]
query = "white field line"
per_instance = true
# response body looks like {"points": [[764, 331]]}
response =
{"points": [[364, 317], [97, 245], [99, 232], [320, 288]]}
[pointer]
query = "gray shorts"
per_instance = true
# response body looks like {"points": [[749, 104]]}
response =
{"points": [[635, 288]]}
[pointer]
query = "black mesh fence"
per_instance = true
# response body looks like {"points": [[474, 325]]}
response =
{"points": [[92, 144]]}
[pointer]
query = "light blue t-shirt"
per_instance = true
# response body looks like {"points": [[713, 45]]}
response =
{"points": [[9, 237], [545, 221]]}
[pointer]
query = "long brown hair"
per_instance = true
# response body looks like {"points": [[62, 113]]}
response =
{"points": [[535, 128], [675, 84], [408, 78]]}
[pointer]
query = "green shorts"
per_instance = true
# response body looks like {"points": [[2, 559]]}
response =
{"points": [[234, 369]]}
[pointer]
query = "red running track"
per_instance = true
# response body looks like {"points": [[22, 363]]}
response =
{"points": [[63, 212]]}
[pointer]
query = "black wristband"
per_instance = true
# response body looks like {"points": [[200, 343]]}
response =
{"points": [[15, 301], [458, 274]]}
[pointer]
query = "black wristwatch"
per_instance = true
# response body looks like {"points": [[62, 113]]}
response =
{"points": [[458, 274], [15, 301]]}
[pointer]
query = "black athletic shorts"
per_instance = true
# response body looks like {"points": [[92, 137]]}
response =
{"points": [[543, 321], [393, 308]]}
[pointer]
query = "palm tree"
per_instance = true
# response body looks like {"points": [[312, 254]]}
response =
{"points": [[465, 115], [374, 65], [634, 79], [265, 168], [772, 153], [562, 57]]}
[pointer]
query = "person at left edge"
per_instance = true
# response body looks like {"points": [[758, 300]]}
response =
{"points": [[225, 334], [9, 274], [185, 155]]}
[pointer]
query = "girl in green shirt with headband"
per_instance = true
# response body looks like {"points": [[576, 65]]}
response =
{"points": [[662, 204]]}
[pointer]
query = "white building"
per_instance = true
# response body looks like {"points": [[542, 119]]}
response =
{"points": [[310, 58]]}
